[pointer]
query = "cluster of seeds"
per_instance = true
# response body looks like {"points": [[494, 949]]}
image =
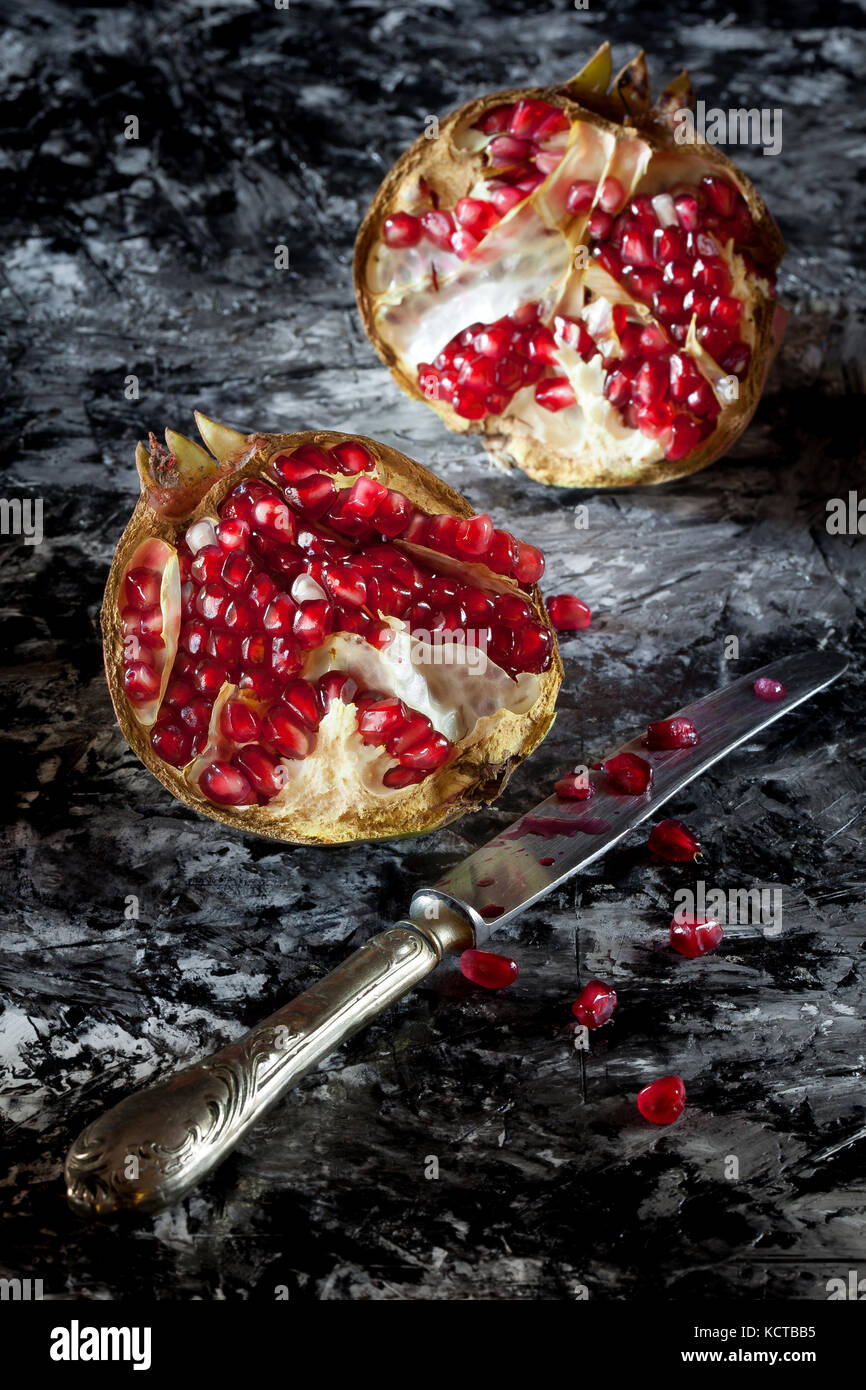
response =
{"points": [[528, 144], [290, 561]]}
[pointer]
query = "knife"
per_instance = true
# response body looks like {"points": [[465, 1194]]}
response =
{"points": [[151, 1149]]}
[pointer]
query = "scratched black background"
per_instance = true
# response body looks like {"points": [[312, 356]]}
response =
{"points": [[155, 258]]}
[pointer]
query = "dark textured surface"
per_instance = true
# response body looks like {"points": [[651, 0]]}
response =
{"points": [[155, 258]]}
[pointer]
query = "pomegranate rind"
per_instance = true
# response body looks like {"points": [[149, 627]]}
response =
{"points": [[482, 762], [624, 112]]}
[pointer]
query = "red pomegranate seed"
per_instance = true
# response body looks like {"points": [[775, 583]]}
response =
{"points": [[280, 615], [715, 341], [312, 623], [142, 588], [532, 647], [259, 683], [736, 361], [568, 613], [702, 401], [487, 969], [207, 564], [473, 537], [469, 404], [301, 698], [172, 743], [635, 249], [644, 283], [651, 383], [721, 195], [179, 692], [711, 274], [694, 302], [504, 197], [688, 211], [475, 215], [629, 773], [502, 554], [595, 1004], [611, 195], [668, 303], [233, 534], [345, 585], [392, 515], [508, 149], [226, 785], [529, 566], [685, 435], [695, 936], [439, 227], [352, 457], [580, 197], [401, 229], [669, 244], [600, 226], [209, 678], [287, 735], [193, 637], [684, 376], [662, 1101], [678, 274], [672, 733], [285, 657], [224, 647], [555, 393], [312, 496], [237, 570], [140, 681], [240, 618], [726, 311], [211, 602], [402, 777], [478, 374], [382, 719], [672, 840], [240, 723], [493, 341], [266, 773], [428, 753], [575, 786], [767, 689]]}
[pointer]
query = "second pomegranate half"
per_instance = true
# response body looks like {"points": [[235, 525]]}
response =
{"points": [[555, 270], [311, 637]]}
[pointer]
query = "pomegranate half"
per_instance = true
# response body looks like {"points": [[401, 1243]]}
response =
{"points": [[557, 272], [311, 637]]}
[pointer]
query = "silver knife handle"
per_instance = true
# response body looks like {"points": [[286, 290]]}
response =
{"points": [[148, 1151]]}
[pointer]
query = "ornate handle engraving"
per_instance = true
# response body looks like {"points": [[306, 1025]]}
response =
{"points": [[149, 1150]]}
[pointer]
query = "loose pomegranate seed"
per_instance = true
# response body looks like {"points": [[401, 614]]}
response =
{"points": [[487, 969], [767, 689], [672, 840], [401, 229], [226, 785], [694, 936], [595, 1004], [575, 787], [568, 613], [629, 773], [662, 1101], [672, 733]]}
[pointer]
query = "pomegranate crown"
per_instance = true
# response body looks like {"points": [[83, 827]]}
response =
{"points": [[626, 97], [176, 475]]}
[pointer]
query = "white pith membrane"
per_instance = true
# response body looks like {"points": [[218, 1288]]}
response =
{"points": [[423, 296], [341, 777]]}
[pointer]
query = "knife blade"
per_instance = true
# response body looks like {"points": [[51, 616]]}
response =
{"points": [[151, 1149], [558, 838]]}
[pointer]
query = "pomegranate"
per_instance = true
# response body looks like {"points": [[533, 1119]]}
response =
{"points": [[310, 636], [555, 271]]}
